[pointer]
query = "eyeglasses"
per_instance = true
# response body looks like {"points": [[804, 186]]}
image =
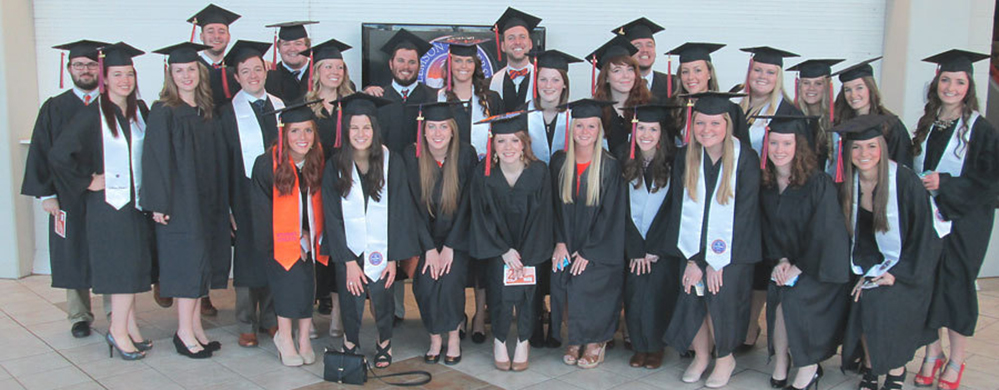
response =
{"points": [[82, 66]]}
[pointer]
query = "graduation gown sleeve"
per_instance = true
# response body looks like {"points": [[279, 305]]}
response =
{"points": [[555, 168], [978, 184], [261, 197], [920, 244], [336, 238], [404, 242], [74, 155], [899, 144], [157, 161], [52, 116]]}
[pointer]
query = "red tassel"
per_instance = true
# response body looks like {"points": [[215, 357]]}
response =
{"points": [[749, 72], [669, 76], [839, 161], [62, 68], [499, 51], [797, 80], [938, 71], [489, 151], [448, 75], [419, 130], [194, 27], [274, 53], [312, 67], [339, 124], [225, 84], [100, 72], [166, 67], [565, 147], [593, 77], [634, 133], [765, 148], [832, 105], [534, 77], [690, 114]]}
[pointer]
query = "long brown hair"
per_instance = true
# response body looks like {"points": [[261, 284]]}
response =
{"points": [[823, 138], [660, 166], [933, 104], [312, 170], [170, 95], [724, 192], [525, 139], [374, 180], [343, 90], [880, 201], [131, 101], [564, 98], [429, 174], [480, 88], [803, 165], [843, 110], [639, 93]]}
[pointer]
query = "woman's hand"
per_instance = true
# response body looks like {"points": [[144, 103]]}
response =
{"points": [[714, 280], [886, 279], [161, 218], [431, 261], [512, 259], [561, 252], [232, 224], [857, 289], [578, 264], [51, 206], [779, 274], [355, 278], [388, 274], [791, 273], [445, 260], [642, 265], [692, 275], [96, 183], [931, 181]]}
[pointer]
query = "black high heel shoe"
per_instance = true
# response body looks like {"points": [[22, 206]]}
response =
{"points": [[143, 345], [894, 382], [112, 346], [868, 382], [183, 349], [382, 355], [778, 384], [814, 382]]}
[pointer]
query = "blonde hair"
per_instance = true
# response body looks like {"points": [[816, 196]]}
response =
{"points": [[773, 99], [343, 90], [568, 172], [823, 138], [691, 176]]}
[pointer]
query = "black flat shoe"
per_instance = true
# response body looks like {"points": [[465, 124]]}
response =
{"points": [[212, 346], [184, 350], [478, 337], [80, 329]]}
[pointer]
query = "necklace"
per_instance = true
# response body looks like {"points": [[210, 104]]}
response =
{"points": [[943, 124]]}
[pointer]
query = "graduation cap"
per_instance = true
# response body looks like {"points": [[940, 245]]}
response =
{"points": [[708, 103], [435, 111], [118, 54], [782, 124], [290, 31], [768, 55], [647, 113], [586, 108], [403, 39], [695, 51], [241, 51], [213, 14], [81, 48], [357, 103], [640, 28], [331, 49], [552, 59], [295, 113], [861, 128], [956, 60], [508, 123], [512, 18], [814, 68], [182, 53], [618, 46], [856, 71], [461, 48]]}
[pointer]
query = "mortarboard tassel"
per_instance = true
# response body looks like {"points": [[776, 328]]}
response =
{"points": [[839, 161], [62, 69], [339, 124], [593, 76], [748, 72], [765, 148], [669, 76], [419, 131], [797, 80], [565, 147], [280, 143], [499, 52], [634, 133], [100, 72], [166, 67], [225, 83], [274, 52], [194, 27], [448, 76], [489, 150], [938, 71], [312, 68], [534, 77], [690, 114]]}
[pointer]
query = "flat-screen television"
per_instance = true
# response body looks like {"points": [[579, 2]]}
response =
{"points": [[374, 62]]}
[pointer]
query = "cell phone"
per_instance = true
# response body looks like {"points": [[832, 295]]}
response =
{"points": [[793, 281], [699, 288]]}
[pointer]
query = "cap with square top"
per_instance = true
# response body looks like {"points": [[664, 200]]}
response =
{"points": [[695, 51], [587, 108], [513, 17], [403, 39], [956, 60], [290, 31], [809, 69], [713, 103], [769, 55], [213, 14], [182, 53], [640, 28], [242, 49], [856, 71]]}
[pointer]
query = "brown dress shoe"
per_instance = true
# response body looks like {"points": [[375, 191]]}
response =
{"points": [[248, 340], [207, 309], [163, 302], [654, 360], [272, 331], [638, 359]]}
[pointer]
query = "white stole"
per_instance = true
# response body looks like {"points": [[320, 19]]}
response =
{"points": [[251, 136], [890, 242], [539, 133], [952, 160], [367, 230], [478, 133], [645, 205], [496, 83], [721, 219], [122, 163]]}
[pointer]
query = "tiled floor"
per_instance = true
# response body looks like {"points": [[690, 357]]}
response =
{"points": [[38, 352]]}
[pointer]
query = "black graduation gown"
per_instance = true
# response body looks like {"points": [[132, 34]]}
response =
{"points": [[805, 225], [894, 317], [404, 243], [247, 262], [660, 85], [398, 120], [120, 242], [326, 128], [518, 217], [218, 90], [969, 201], [442, 301], [184, 176], [67, 256], [293, 290], [592, 298], [463, 116], [649, 299], [283, 84], [729, 309]]}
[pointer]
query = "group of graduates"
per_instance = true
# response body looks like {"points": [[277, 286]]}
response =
{"points": [[659, 197]]}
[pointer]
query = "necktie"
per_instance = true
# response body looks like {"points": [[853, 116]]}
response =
{"points": [[296, 73], [86, 100], [258, 105], [405, 94], [217, 65], [519, 73]]}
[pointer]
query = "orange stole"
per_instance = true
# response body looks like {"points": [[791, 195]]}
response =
{"points": [[288, 227]]}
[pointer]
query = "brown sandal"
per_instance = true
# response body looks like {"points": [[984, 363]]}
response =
{"points": [[593, 356], [571, 355]]}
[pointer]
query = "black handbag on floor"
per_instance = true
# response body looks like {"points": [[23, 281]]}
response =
{"points": [[352, 369]]}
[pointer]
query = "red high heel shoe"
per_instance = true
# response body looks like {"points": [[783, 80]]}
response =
{"points": [[945, 385], [927, 381]]}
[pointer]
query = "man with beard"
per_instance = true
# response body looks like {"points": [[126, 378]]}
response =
{"points": [[68, 248], [515, 82], [289, 80], [639, 32], [214, 22]]}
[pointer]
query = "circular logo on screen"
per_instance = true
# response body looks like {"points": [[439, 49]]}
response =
{"points": [[718, 246], [433, 65], [376, 258]]}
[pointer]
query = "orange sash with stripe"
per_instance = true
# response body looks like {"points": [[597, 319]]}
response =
{"points": [[288, 227]]}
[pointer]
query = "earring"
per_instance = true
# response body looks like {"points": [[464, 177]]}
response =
{"points": [[496, 158]]}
